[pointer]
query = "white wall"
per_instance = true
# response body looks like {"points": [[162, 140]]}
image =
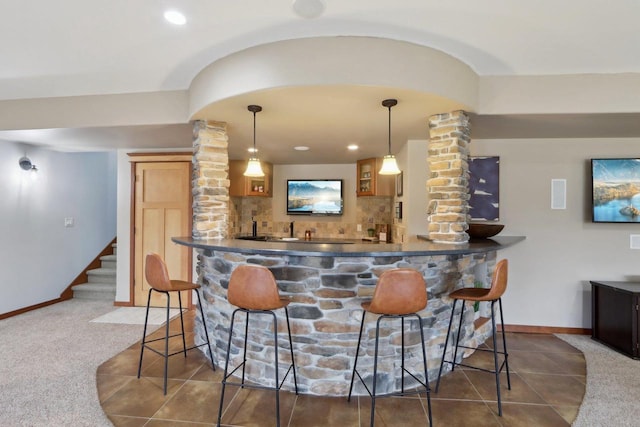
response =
{"points": [[550, 271], [40, 256], [415, 199]]}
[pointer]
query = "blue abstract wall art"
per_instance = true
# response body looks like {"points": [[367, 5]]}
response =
{"points": [[484, 188]]}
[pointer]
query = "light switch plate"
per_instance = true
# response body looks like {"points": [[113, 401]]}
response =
{"points": [[634, 241]]}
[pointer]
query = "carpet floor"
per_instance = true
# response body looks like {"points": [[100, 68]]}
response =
{"points": [[613, 386], [48, 363]]}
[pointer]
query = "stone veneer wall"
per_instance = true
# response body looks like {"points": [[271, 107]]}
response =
{"points": [[448, 183], [210, 180], [325, 314]]}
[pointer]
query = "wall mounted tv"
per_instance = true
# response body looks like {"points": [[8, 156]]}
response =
{"points": [[314, 197], [615, 190]]}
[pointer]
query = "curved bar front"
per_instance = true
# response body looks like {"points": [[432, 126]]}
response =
{"points": [[326, 283]]}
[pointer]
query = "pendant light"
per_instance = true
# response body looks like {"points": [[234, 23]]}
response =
{"points": [[253, 166], [389, 165]]}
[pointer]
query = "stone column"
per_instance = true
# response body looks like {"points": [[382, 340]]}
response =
{"points": [[448, 183], [210, 180]]}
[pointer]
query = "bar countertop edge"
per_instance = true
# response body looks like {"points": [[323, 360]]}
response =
{"points": [[349, 248]]}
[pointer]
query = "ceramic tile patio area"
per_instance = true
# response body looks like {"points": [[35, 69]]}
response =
{"points": [[548, 379]]}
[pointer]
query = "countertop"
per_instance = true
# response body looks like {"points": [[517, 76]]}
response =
{"points": [[349, 247]]}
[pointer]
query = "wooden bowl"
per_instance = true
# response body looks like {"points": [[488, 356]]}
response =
{"points": [[483, 231]]}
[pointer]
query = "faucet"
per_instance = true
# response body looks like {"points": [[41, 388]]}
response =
{"points": [[254, 227], [291, 229]]}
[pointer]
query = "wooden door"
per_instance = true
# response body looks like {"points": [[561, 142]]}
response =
{"points": [[162, 210]]}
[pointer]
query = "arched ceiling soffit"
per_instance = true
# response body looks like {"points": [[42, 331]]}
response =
{"points": [[338, 64]]}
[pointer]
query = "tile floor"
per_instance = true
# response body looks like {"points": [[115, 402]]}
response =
{"points": [[548, 379]]}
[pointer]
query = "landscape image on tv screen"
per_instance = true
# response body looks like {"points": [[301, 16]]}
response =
{"points": [[314, 197], [616, 190]]}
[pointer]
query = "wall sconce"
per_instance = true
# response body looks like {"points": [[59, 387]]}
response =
{"points": [[26, 165]]}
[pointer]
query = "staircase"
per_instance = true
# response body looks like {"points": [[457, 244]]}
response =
{"points": [[101, 282]]}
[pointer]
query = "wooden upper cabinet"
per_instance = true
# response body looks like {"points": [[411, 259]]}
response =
{"points": [[370, 183], [242, 186]]}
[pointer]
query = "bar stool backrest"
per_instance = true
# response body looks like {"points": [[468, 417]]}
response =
{"points": [[155, 271], [399, 291], [498, 280], [253, 287]]}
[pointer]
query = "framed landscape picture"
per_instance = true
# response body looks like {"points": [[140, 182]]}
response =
{"points": [[484, 188], [615, 190]]}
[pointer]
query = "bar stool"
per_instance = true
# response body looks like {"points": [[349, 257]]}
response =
{"points": [[399, 293], [492, 294], [253, 289], [158, 277]]}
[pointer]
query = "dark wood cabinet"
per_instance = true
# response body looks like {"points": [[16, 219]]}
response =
{"points": [[614, 315]]}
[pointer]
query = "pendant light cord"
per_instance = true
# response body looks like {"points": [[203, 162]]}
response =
{"points": [[254, 109], [389, 103], [389, 107], [254, 133]]}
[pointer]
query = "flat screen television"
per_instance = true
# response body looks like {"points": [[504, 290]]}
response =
{"points": [[615, 187], [314, 197]]}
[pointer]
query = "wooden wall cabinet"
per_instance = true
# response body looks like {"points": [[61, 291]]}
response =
{"points": [[242, 186], [370, 183]]}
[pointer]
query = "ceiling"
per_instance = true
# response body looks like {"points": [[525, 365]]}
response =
{"points": [[77, 47]]}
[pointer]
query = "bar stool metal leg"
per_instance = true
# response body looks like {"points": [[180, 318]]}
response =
{"points": [[355, 362], [495, 357], [293, 362], [184, 340], [144, 333], [244, 353], [426, 371], [446, 341], [206, 332], [458, 336], [166, 344], [504, 345], [226, 366], [275, 347], [402, 351]]}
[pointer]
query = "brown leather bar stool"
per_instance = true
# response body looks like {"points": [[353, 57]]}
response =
{"points": [[253, 289], [158, 277], [399, 293], [492, 294]]}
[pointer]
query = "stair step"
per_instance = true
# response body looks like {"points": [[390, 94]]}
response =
{"points": [[95, 291], [109, 261], [102, 275]]}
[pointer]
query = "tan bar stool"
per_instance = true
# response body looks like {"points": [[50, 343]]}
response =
{"points": [[492, 294], [158, 277], [399, 293], [253, 289]]}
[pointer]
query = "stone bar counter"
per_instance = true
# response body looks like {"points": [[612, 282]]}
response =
{"points": [[326, 282]]}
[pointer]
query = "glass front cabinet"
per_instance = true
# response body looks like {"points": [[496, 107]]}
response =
{"points": [[369, 182]]}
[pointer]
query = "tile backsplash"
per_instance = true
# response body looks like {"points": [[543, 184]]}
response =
{"points": [[370, 211]]}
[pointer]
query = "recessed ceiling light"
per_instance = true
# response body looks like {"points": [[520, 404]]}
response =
{"points": [[352, 147], [308, 8], [301, 148], [175, 17]]}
